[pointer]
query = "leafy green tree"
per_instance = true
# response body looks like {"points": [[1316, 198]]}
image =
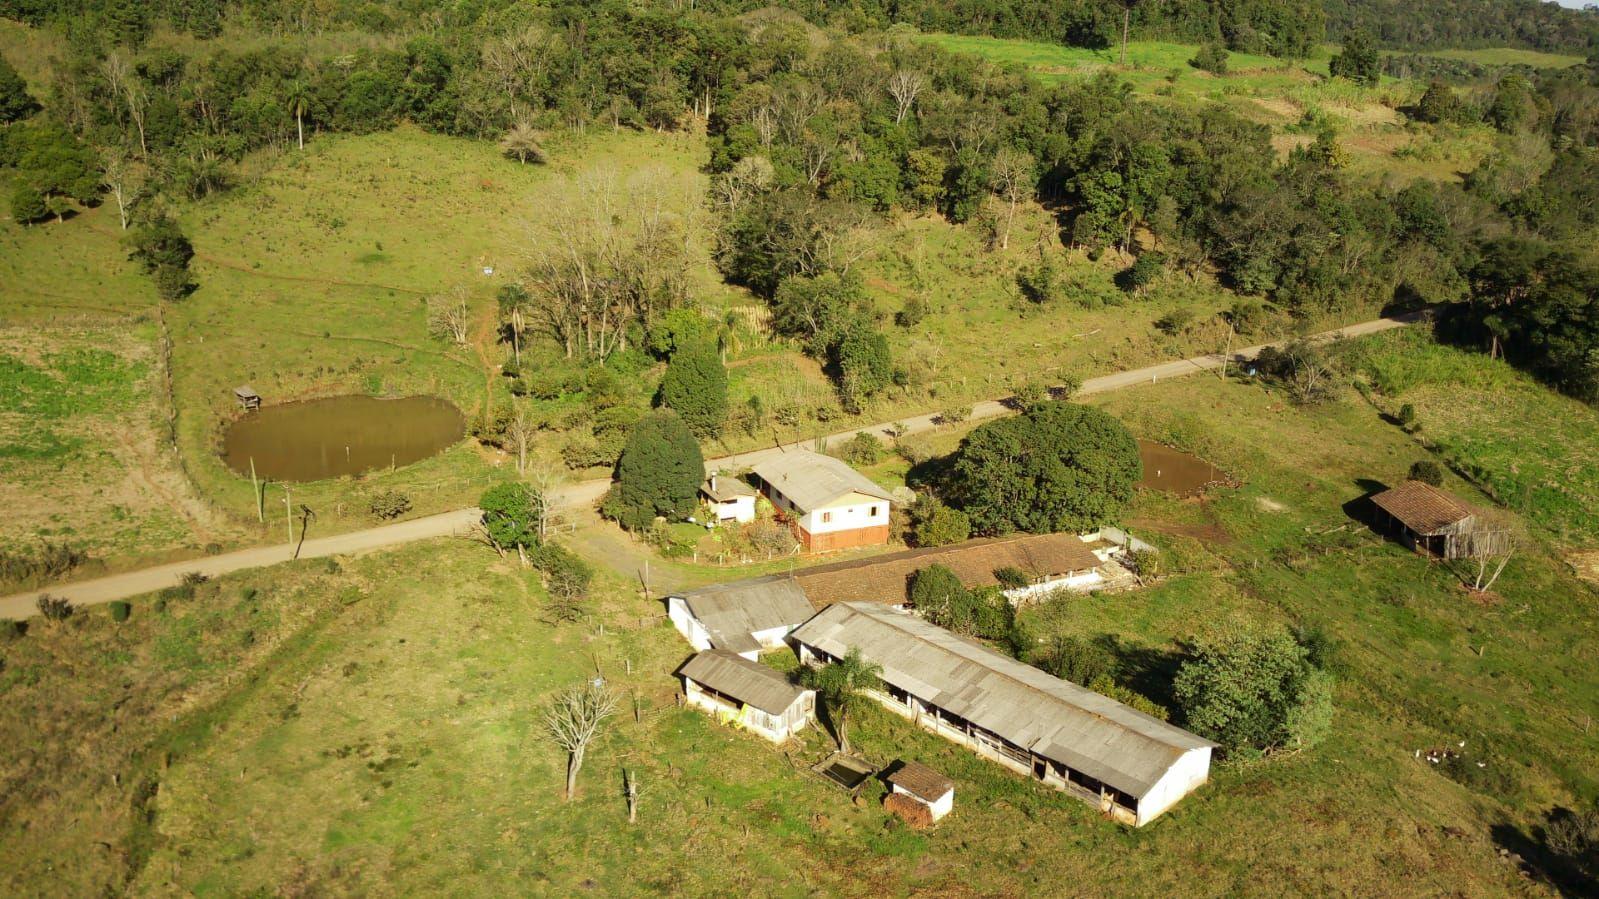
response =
{"points": [[677, 329], [659, 472], [1358, 61], [1056, 467], [864, 364], [1077, 659], [15, 101], [28, 204], [1253, 687], [936, 593], [1427, 471], [932, 523], [1439, 105], [695, 387], [1212, 57], [161, 247], [840, 685], [511, 515]]}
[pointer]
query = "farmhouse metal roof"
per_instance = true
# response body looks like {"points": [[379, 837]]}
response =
{"points": [[1056, 719], [1422, 507], [731, 613], [920, 780], [885, 578], [739, 678], [812, 480], [722, 487]]}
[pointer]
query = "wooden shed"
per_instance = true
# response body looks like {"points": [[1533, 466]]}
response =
{"points": [[1430, 521]]}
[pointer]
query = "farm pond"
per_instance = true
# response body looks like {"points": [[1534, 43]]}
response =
{"points": [[1175, 471], [341, 435]]}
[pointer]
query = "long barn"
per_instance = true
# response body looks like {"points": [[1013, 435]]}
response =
{"points": [[1129, 764]]}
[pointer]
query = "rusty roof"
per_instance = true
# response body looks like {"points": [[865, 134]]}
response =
{"points": [[922, 781], [1422, 507], [885, 578], [739, 678]]}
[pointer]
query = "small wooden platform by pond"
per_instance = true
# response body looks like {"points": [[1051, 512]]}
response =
{"points": [[247, 397]]}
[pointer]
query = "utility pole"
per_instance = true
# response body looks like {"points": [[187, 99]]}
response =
{"points": [[260, 511], [1227, 353], [288, 517]]}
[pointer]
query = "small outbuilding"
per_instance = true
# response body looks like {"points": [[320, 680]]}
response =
{"points": [[248, 399], [730, 499], [926, 786], [1426, 519], [742, 617], [748, 694]]}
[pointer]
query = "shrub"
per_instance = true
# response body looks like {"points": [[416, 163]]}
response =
{"points": [[1211, 58], [193, 579], [911, 315], [249, 594], [1137, 277], [28, 204], [1176, 321], [1104, 686], [1407, 416], [1011, 578], [1252, 687], [862, 449], [1040, 283], [567, 577], [55, 609], [932, 523], [1428, 472], [954, 415], [389, 505], [213, 549], [120, 611], [1077, 659], [49, 562], [9, 629]]}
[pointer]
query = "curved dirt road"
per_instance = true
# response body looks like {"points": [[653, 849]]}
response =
{"points": [[460, 521]]}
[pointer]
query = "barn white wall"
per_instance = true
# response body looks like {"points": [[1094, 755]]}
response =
{"points": [[687, 624], [1190, 772]]}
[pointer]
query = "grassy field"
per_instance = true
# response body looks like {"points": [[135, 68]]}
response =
{"points": [[1283, 94], [1511, 56], [349, 728]]}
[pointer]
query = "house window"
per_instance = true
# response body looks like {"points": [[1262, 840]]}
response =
{"points": [[872, 513], [827, 517]]}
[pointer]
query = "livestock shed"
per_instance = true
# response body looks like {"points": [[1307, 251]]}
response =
{"points": [[1433, 522], [748, 694], [743, 617], [1129, 764], [1048, 561]]}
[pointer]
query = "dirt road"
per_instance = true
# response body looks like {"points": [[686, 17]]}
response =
{"points": [[459, 522]]}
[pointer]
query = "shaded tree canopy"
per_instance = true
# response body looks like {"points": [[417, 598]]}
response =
{"points": [[659, 472], [1254, 687], [1057, 467], [695, 387]]}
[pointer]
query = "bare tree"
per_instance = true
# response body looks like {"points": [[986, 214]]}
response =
{"points": [[1487, 550], [520, 432], [127, 181], [748, 177], [1011, 177], [449, 315], [545, 476], [125, 85], [903, 86], [574, 719]]}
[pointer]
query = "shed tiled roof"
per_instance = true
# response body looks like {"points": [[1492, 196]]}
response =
{"points": [[739, 678], [1422, 507], [885, 578], [812, 480], [732, 612], [1053, 718], [921, 781]]}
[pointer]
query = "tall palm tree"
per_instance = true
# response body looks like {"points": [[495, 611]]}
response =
{"points": [[840, 685], [727, 333], [522, 141], [298, 95]]}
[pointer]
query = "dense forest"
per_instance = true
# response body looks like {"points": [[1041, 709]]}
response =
{"points": [[1465, 23], [816, 135]]}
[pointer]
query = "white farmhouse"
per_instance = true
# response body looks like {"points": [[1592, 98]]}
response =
{"points": [[748, 694], [832, 505], [1131, 765]]}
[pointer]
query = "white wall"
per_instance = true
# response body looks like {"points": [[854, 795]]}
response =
{"points": [[740, 509], [855, 513], [1189, 773], [939, 809], [686, 624], [1086, 580]]}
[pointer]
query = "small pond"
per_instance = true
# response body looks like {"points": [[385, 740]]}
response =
{"points": [[1175, 471], [340, 435]]}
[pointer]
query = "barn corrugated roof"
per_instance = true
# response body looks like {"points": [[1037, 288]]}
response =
{"points": [[748, 682], [812, 480], [1422, 507], [1056, 719], [885, 578], [732, 612]]}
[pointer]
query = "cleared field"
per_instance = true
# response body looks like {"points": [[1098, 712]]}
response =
{"points": [[1511, 56]]}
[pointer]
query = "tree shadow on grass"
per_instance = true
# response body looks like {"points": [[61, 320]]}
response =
{"points": [[1573, 874], [1146, 670]]}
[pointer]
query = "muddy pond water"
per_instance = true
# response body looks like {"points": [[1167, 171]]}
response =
{"points": [[1175, 471], [340, 435]]}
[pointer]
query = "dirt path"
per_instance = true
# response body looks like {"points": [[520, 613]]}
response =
{"points": [[585, 493]]}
